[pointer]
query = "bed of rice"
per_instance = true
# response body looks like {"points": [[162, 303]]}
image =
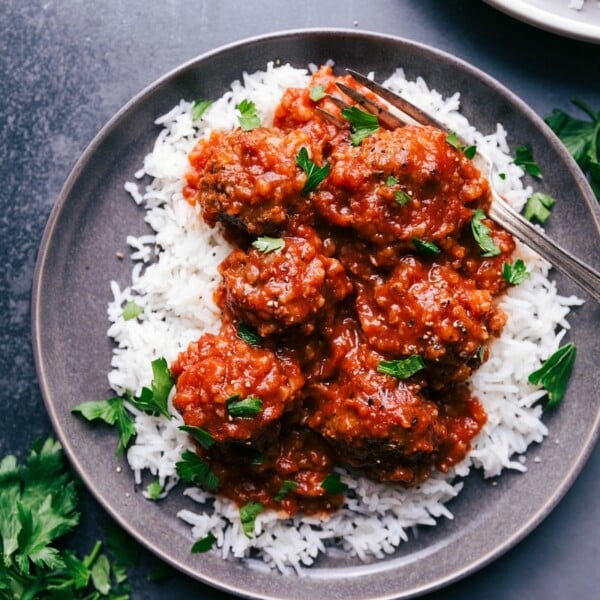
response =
{"points": [[174, 277]]}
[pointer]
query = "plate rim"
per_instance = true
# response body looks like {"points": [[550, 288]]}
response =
{"points": [[548, 20], [113, 123]]}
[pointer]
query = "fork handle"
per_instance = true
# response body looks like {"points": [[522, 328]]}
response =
{"points": [[582, 274]]}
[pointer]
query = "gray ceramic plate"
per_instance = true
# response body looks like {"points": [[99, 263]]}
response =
{"points": [[556, 16], [89, 224]]}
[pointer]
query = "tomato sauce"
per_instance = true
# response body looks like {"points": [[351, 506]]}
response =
{"points": [[375, 264]]}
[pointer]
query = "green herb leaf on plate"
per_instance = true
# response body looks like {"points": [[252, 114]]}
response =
{"points": [[154, 490], [248, 117], [192, 469], [516, 273], [333, 485], [524, 159], [286, 486], [402, 368], [554, 374], [401, 197], [246, 409], [154, 400], [266, 244], [317, 92], [391, 181], [248, 514], [199, 108], [481, 233], [131, 310], [363, 124], [248, 334], [203, 437], [538, 206], [204, 544], [425, 247], [314, 174]]}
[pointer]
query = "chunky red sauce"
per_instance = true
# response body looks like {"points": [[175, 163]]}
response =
{"points": [[350, 288]]}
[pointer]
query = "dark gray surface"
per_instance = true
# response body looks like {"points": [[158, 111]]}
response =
{"points": [[67, 67]]}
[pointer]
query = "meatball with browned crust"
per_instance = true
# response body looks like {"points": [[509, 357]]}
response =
{"points": [[219, 371], [399, 185], [430, 310], [248, 178], [283, 288]]}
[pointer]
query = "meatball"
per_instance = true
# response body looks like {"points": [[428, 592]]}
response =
{"points": [[399, 185], [431, 310], [218, 370], [249, 178], [282, 288], [376, 422]]}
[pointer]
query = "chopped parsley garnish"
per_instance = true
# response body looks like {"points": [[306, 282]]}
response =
{"points": [[363, 124], [401, 197], [112, 412], [582, 139], [154, 490], [481, 233], [192, 469], [314, 174], [524, 159], [516, 273], [204, 544], [286, 486], [391, 180], [538, 206], [317, 92], [203, 437], [402, 368], [248, 334], [554, 374], [425, 247], [333, 485], [502, 176], [248, 514], [481, 353], [468, 151], [246, 409], [131, 310], [199, 108], [266, 244], [38, 505], [248, 117]]}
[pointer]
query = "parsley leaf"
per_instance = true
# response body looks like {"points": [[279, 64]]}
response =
{"points": [[426, 247], [538, 206], [286, 486], [247, 408], [516, 273], [154, 490], [582, 139], [362, 123], [317, 92], [111, 411], [199, 108], [391, 180], [401, 197], [468, 151], [267, 244], [154, 400], [203, 437], [248, 514], [192, 469], [524, 158], [314, 174], [204, 544], [403, 368], [248, 117], [131, 310], [554, 374], [332, 484], [38, 505], [481, 233], [248, 334]]}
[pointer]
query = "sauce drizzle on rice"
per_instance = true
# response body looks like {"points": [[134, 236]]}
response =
{"points": [[176, 292]]}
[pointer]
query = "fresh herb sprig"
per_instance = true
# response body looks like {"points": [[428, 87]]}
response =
{"points": [[524, 159], [38, 505], [402, 368], [363, 124], [468, 151], [481, 233], [152, 400], [582, 139], [248, 117], [554, 374], [314, 174]]}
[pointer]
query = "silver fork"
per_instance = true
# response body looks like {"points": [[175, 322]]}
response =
{"points": [[500, 211]]}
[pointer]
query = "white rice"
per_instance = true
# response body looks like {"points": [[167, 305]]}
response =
{"points": [[174, 277]]}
